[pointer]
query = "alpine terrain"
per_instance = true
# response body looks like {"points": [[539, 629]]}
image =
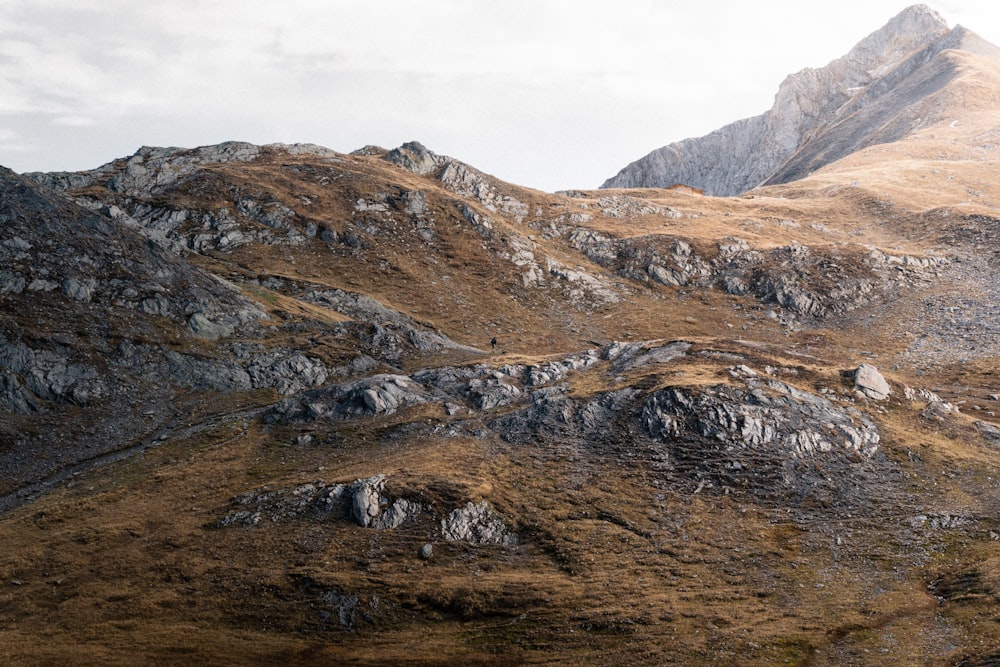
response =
{"points": [[285, 405]]}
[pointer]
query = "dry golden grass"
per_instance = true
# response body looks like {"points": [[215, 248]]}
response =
{"points": [[123, 565]]}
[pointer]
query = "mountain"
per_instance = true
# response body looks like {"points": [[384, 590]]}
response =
{"points": [[901, 79], [281, 404]]}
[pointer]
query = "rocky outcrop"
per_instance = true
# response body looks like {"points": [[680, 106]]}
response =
{"points": [[476, 524], [60, 258], [151, 170], [764, 437], [491, 392], [394, 330], [378, 395], [934, 408], [870, 382], [479, 387], [52, 246], [629, 356], [34, 375], [414, 156], [753, 434], [763, 415], [287, 372], [371, 509], [251, 367], [249, 509], [817, 282], [459, 178], [135, 189], [871, 95], [364, 502], [990, 432]]}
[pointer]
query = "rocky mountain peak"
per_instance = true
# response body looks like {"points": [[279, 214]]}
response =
{"points": [[912, 29], [915, 20], [891, 67], [415, 157]]}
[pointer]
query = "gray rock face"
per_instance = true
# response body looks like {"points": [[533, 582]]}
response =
{"points": [[136, 185], [205, 328], [989, 432], [344, 607], [457, 177], [367, 397], [29, 374], [481, 387], [366, 500], [200, 373], [766, 415], [555, 371], [371, 509], [817, 284], [886, 74], [767, 440], [393, 329], [14, 397], [151, 170], [98, 292], [386, 395], [395, 515], [253, 368], [288, 373], [550, 412], [79, 289], [11, 283], [466, 181], [415, 157], [870, 382], [757, 435], [628, 359], [491, 393], [476, 524]]}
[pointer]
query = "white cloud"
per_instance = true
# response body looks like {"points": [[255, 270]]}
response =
{"points": [[75, 121], [11, 141]]}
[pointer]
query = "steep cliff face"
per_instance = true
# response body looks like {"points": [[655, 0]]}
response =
{"points": [[871, 95]]}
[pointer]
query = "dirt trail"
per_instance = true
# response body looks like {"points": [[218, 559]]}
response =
{"points": [[174, 429]]}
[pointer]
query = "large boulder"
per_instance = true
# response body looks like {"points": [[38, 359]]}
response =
{"points": [[870, 382], [366, 499], [476, 524]]}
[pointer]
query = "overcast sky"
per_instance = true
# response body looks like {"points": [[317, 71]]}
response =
{"points": [[551, 94]]}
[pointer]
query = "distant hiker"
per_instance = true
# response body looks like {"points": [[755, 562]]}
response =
{"points": [[493, 343]]}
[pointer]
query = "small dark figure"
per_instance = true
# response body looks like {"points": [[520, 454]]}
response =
{"points": [[493, 343]]}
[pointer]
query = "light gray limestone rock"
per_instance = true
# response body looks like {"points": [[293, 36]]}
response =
{"points": [[476, 524], [818, 116], [870, 382]]}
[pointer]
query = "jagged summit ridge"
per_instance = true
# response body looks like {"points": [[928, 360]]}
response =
{"points": [[894, 67], [895, 41]]}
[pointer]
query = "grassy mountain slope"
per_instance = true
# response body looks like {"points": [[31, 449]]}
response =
{"points": [[676, 465]]}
